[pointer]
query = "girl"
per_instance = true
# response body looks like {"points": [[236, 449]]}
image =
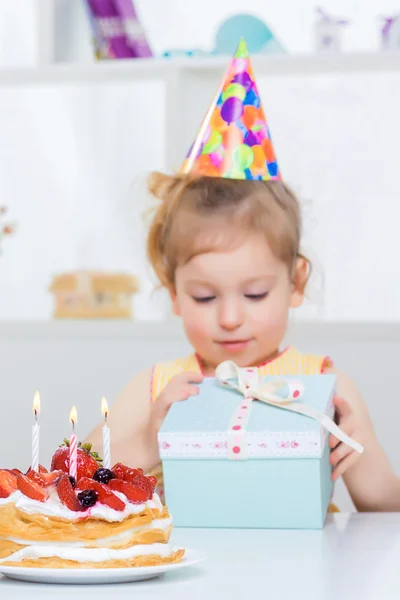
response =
{"points": [[225, 242], [229, 254]]}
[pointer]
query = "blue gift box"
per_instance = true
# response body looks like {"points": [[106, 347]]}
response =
{"points": [[284, 481]]}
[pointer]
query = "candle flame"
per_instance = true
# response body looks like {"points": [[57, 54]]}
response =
{"points": [[104, 406], [36, 403], [73, 415]]}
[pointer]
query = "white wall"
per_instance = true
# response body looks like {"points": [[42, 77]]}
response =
{"points": [[73, 161]]}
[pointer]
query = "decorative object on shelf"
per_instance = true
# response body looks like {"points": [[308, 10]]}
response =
{"points": [[93, 295], [180, 52], [133, 29], [234, 140], [328, 31], [5, 228], [390, 33], [117, 32], [260, 38]]}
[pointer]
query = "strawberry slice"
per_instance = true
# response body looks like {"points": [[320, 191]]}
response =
{"points": [[41, 470], [120, 471], [8, 483], [37, 478], [31, 489], [13, 471], [125, 473], [67, 495], [130, 474], [104, 494], [51, 478], [133, 493], [142, 482]]}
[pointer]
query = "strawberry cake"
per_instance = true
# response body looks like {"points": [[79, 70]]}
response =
{"points": [[106, 518]]}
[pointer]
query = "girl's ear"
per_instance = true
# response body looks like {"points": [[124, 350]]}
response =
{"points": [[301, 275]]}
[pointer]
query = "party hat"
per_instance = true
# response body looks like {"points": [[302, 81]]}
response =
{"points": [[234, 140]]}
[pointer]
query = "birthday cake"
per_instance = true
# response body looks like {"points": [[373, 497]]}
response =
{"points": [[105, 518]]}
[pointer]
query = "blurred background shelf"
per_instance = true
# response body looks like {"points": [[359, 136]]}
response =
{"points": [[171, 330], [163, 69]]}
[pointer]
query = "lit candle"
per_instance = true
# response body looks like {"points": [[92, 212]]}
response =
{"points": [[73, 445], [106, 436], [35, 433]]}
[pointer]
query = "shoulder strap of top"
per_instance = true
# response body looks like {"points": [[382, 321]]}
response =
{"points": [[289, 362], [293, 362]]}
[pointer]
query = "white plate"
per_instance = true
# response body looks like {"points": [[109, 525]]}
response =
{"points": [[85, 576]]}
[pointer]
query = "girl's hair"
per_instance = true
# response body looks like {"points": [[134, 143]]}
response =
{"points": [[195, 210]]}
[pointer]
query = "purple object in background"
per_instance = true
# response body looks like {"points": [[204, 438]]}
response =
{"points": [[109, 27], [390, 33], [386, 27], [134, 32]]}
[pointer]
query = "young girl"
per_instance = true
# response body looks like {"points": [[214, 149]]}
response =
{"points": [[227, 248], [228, 252]]}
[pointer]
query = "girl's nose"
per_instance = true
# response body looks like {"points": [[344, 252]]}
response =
{"points": [[230, 314]]}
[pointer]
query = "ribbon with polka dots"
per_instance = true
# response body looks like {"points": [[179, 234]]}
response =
{"points": [[237, 443], [280, 393]]}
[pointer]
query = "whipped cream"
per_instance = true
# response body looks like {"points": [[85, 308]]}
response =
{"points": [[88, 554], [10, 499], [53, 507], [159, 524]]}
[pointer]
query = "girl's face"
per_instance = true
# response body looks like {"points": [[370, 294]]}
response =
{"points": [[234, 304]]}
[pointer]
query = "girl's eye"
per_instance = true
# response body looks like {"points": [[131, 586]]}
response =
{"points": [[256, 297], [203, 299]]}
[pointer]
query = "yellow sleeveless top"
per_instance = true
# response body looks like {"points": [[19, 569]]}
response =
{"points": [[288, 362]]}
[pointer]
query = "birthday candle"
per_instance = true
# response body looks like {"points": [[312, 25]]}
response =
{"points": [[35, 433], [73, 445], [106, 436]]}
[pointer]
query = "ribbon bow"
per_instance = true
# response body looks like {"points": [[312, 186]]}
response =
{"points": [[281, 393]]}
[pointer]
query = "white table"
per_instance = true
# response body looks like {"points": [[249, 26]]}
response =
{"points": [[356, 557]]}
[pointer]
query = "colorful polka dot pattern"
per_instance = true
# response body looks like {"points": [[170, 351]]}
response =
{"points": [[234, 140]]}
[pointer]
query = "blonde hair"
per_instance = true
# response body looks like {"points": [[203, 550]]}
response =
{"points": [[194, 210]]}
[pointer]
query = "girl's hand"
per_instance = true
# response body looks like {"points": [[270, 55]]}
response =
{"points": [[179, 388], [342, 456]]}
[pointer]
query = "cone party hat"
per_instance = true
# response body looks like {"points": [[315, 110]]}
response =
{"points": [[234, 140]]}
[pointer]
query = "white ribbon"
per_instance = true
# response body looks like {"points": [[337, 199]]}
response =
{"points": [[266, 392]]}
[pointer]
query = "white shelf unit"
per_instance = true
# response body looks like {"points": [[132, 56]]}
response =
{"points": [[185, 78], [156, 68], [188, 85]]}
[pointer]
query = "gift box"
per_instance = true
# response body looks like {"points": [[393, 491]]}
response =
{"points": [[233, 461]]}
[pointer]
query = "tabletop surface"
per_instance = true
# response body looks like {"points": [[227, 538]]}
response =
{"points": [[356, 557]]}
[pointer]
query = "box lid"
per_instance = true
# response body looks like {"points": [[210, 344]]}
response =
{"points": [[199, 427]]}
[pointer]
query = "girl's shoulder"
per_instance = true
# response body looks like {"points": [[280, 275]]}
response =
{"points": [[163, 372], [294, 362]]}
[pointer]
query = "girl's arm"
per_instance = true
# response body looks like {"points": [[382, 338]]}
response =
{"points": [[135, 421], [369, 477], [129, 420]]}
